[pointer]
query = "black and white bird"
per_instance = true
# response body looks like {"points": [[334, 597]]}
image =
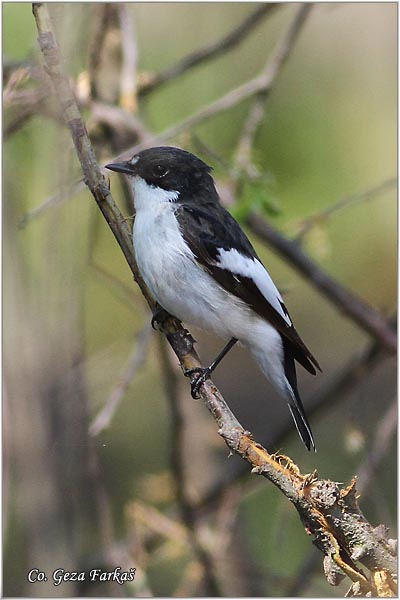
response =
{"points": [[201, 268]]}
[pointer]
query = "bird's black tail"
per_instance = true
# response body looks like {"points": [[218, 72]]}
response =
{"points": [[302, 425], [294, 401]]}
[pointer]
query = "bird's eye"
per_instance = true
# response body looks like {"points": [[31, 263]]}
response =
{"points": [[160, 171]]}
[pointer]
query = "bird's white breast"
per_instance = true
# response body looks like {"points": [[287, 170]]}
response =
{"points": [[170, 270]]}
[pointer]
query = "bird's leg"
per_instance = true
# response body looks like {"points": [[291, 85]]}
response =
{"points": [[160, 315], [204, 373]]}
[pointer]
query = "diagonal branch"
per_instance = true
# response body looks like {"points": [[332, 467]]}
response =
{"points": [[135, 361], [262, 83], [349, 303], [383, 437], [364, 196], [336, 390], [210, 51]]}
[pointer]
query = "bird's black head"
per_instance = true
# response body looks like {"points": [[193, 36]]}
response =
{"points": [[169, 168]]}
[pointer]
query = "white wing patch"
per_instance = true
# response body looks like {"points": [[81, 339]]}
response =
{"points": [[233, 261]]}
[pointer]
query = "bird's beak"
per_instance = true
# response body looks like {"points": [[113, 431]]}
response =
{"points": [[122, 167]]}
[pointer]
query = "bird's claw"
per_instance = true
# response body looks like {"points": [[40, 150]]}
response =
{"points": [[159, 317], [202, 375]]}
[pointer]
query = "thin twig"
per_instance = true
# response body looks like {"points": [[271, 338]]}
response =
{"points": [[19, 120], [121, 120], [135, 361], [125, 294], [23, 104], [243, 154], [55, 200], [243, 162], [377, 451], [210, 51], [225, 519], [364, 196]]}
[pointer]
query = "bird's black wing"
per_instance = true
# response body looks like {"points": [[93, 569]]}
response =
{"points": [[209, 231]]}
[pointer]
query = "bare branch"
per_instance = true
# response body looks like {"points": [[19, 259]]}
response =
{"points": [[336, 390], [364, 196], [245, 145], [120, 120], [51, 202], [19, 120], [210, 51], [359, 311], [22, 103], [378, 450], [121, 291]]}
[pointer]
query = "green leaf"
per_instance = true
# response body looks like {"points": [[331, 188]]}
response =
{"points": [[256, 196]]}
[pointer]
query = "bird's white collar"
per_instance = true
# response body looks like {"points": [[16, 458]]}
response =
{"points": [[147, 197]]}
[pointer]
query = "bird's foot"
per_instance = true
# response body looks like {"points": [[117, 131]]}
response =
{"points": [[202, 374], [159, 317]]}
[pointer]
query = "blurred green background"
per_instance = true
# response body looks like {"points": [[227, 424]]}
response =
{"points": [[69, 329]]}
